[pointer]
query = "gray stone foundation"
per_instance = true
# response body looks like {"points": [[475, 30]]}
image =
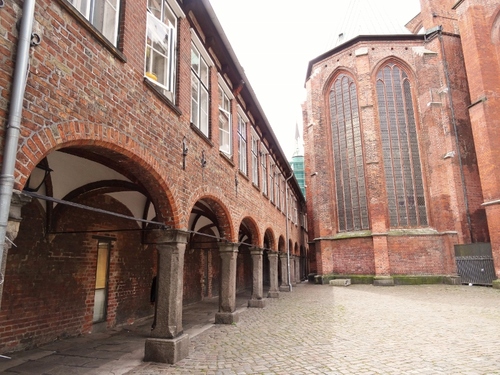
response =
{"points": [[166, 350]]}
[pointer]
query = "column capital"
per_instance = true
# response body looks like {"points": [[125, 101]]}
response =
{"points": [[256, 251], [228, 247], [167, 236], [272, 254]]}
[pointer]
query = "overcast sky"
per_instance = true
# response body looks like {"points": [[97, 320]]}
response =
{"points": [[274, 40]]}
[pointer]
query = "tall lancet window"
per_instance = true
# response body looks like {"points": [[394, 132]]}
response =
{"points": [[352, 210], [403, 173]]}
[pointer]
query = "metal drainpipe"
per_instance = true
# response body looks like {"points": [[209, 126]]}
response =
{"points": [[286, 231], [457, 143], [13, 126]]}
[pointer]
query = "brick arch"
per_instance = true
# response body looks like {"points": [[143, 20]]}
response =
{"points": [[221, 212], [106, 141], [281, 244], [253, 228], [495, 28], [397, 61], [269, 235], [333, 77]]}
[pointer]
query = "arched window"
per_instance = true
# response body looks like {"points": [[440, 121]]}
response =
{"points": [[352, 207], [403, 174]]}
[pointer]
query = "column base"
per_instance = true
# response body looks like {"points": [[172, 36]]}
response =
{"points": [[284, 288], [166, 350], [275, 294], [259, 303], [383, 281], [496, 284], [226, 318]]}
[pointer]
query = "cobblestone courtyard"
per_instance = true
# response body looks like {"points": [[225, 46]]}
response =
{"points": [[360, 329], [316, 329]]}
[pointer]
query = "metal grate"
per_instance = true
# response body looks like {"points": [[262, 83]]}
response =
{"points": [[476, 270], [475, 263]]}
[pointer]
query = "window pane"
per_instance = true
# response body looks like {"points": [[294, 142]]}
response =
{"points": [[352, 206], [400, 149], [204, 112], [194, 100], [155, 7]]}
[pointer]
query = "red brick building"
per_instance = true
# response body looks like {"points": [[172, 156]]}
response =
{"points": [[137, 149], [400, 139]]}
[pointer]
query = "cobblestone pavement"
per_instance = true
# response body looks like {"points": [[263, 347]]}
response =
{"points": [[316, 329], [359, 329]]}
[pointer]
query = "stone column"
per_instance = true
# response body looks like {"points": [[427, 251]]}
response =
{"points": [[297, 269], [227, 298], [273, 275], [17, 201], [293, 270], [257, 286], [168, 344], [285, 286]]}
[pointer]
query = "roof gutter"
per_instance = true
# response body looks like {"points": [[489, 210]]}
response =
{"points": [[13, 125]]}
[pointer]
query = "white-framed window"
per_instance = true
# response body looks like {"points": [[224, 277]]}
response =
{"points": [[263, 163], [225, 132], [282, 193], [104, 15], [255, 158], [242, 142], [271, 182], [295, 211], [277, 190], [161, 43], [200, 78]]}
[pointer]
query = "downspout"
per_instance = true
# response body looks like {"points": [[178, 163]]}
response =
{"points": [[13, 125], [286, 232], [454, 122]]}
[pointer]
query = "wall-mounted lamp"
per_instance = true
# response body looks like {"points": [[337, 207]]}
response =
{"points": [[38, 178], [203, 160], [184, 152], [236, 182], [449, 155]]}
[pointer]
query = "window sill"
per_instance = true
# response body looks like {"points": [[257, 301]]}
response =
{"points": [[226, 158], [202, 135], [162, 96], [242, 174], [96, 33]]}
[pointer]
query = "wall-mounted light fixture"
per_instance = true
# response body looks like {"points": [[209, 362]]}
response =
{"points": [[184, 152], [37, 178], [203, 160]]}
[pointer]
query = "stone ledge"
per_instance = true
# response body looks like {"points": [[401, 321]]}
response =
{"points": [[340, 282], [383, 281]]}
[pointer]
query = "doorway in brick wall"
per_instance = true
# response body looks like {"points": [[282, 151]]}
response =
{"points": [[101, 282]]}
